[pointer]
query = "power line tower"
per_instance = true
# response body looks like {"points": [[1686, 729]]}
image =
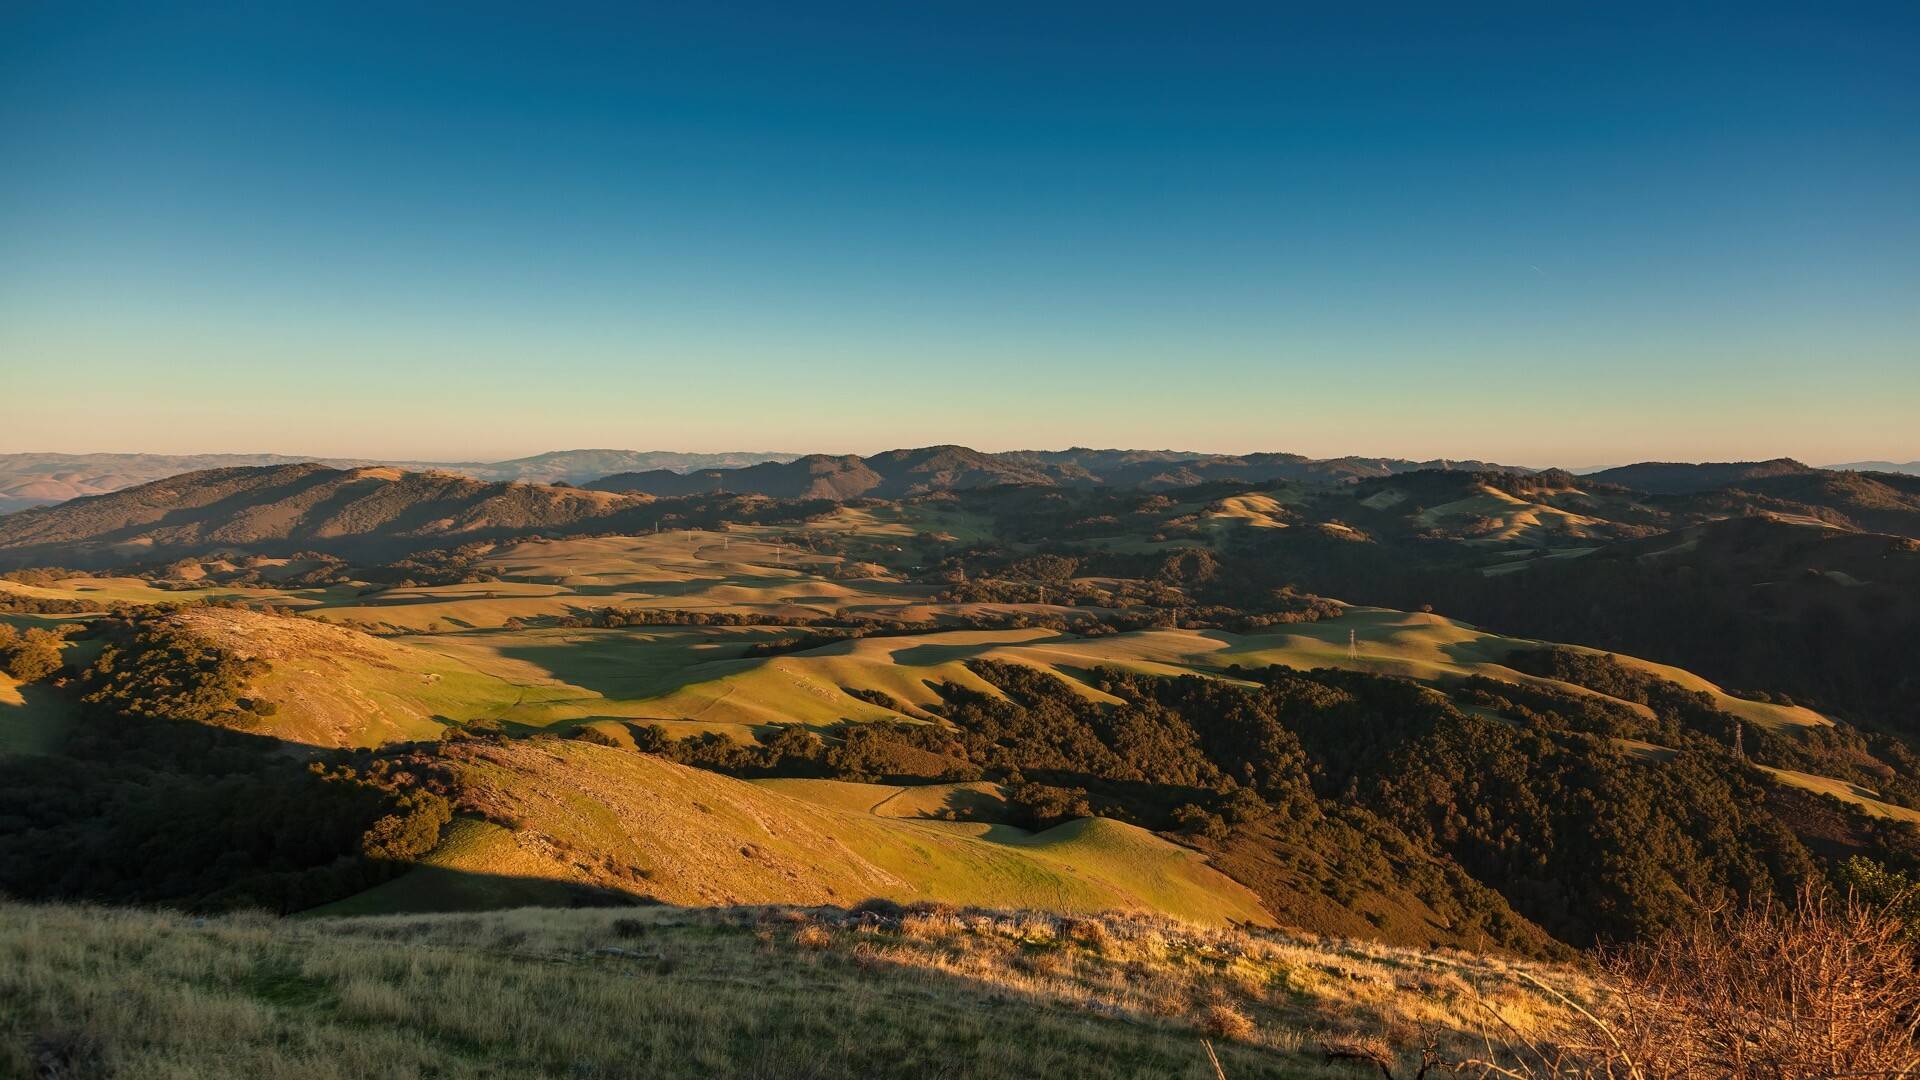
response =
{"points": [[1353, 645]]}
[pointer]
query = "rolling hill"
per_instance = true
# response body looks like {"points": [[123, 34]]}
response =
{"points": [[28, 480], [1675, 477], [289, 507], [654, 829]]}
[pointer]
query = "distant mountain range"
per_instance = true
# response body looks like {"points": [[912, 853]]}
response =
{"points": [[28, 480], [378, 511], [899, 473], [34, 479], [37, 479], [1911, 468]]}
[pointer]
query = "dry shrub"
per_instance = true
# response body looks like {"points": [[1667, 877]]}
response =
{"points": [[926, 926], [1223, 1021], [1803, 991], [813, 936], [1051, 963], [1090, 933], [1361, 1049]]}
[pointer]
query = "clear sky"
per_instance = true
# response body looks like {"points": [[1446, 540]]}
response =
{"points": [[1541, 233]]}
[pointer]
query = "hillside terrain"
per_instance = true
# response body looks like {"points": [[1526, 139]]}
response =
{"points": [[290, 506], [39, 479], [935, 698], [900, 473], [1509, 714], [779, 991], [28, 480]]}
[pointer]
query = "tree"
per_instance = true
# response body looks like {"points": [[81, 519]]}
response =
{"points": [[32, 656]]}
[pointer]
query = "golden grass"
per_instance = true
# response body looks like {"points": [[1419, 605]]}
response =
{"points": [[569, 812], [767, 992], [1866, 799]]}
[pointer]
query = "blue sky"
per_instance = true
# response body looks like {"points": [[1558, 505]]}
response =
{"points": [[1538, 233]]}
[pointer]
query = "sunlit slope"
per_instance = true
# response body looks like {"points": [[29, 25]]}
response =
{"points": [[338, 687], [1866, 799], [1507, 518], [810, 687], [591, 815], [1250, 511], [104, 591], [335, 687], [742, 570]]}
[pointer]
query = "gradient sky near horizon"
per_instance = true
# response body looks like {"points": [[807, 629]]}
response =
{"points": [[1534, 233]]}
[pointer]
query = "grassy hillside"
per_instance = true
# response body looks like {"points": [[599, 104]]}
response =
{"points": [[809, 687], [573, 813], [288, 507], [874, 641], [667, 992]]}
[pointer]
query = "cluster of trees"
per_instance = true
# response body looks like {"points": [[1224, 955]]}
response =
{"points": [[1827, 751], [613, 618], [1381, 777], [11, 603], [30, 656], [1190, 587], [154, 799], [152, 669], [1748, 607]]}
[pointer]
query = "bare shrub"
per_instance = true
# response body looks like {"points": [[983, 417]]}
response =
{"points": [[1364, 1049], [1224, 1021], [1810, 990], [1090, 933], [813, 936]]}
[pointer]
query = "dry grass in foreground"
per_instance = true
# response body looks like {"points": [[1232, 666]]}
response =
{"points": [[740, 992]]}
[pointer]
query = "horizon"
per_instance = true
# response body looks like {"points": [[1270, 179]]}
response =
{"points": [[1596, 234], [788, 454]]}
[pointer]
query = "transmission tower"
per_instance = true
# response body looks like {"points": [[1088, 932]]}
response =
{"points": [[1353, 645]]}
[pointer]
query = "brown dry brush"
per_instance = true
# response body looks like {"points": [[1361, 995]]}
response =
{"points": [[1817, 989]]}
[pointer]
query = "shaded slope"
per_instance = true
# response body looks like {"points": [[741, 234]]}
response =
{"points": [[1679, 477]]}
